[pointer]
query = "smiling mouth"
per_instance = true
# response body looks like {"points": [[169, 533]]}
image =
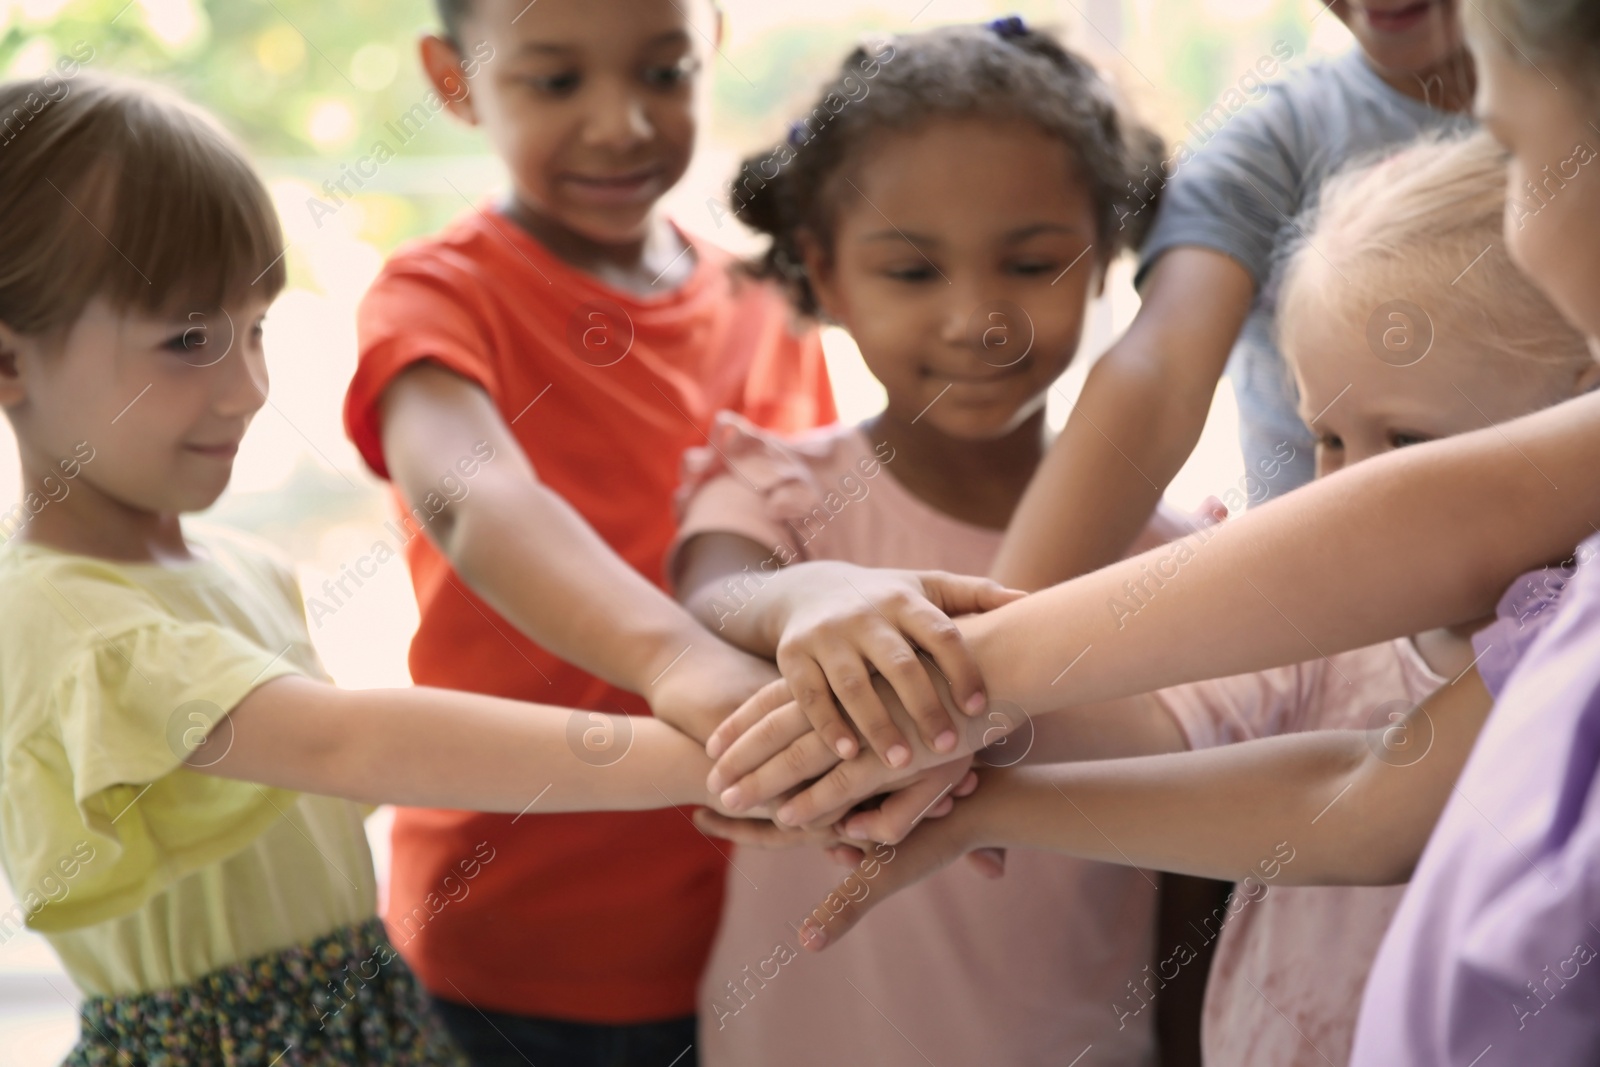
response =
{"points": [[624, 186], [227, 450], [999, 374], [1399, 19]]}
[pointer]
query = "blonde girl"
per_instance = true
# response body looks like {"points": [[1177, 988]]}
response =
{"points": [[179, 780]]}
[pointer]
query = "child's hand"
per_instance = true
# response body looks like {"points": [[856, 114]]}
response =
{"points": [[766, 834], [848, 622], [709, 680], [764, 701], [889, 869], [781, 751], [929, 796]]}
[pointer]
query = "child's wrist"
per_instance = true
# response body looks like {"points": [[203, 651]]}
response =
{"points": [[676, 765], [663, 648]]}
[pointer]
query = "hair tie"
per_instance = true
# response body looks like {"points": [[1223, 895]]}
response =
{"points": [[1009, 27], [798, 134]]}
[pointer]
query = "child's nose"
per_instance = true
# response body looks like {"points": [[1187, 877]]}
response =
{"points": [[976, 316], [240, 382], [618, 119]]}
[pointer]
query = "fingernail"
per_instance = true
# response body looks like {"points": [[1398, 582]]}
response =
{"points": [[898, 755], [785, 815], [714, 783], [976, 703], [812, 935], [732, 798], [714, 747], [855, 833], [846, 748], [945, 741]]}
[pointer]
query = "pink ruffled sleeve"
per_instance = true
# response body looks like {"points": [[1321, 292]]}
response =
{"points": [[750, 483]]}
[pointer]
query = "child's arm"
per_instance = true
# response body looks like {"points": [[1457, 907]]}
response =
{"points": [[530, 555], [830, 624], [1423, 537], [439, 748], [1336, 807], [1114, 729], [1141, 412], [1139, 725]]}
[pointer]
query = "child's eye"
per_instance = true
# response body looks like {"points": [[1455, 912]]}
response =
{"points": [[1331, 441], [920, 273], [672, 75], [556, 85], [189, 344], [1404, 440], [1031, 268]]}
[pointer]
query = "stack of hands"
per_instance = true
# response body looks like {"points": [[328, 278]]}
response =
{"points": [[874, 728]]}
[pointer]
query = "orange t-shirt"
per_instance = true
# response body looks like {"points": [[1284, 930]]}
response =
{"points": [[599, 917]]}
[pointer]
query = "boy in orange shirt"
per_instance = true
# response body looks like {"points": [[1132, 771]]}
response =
{"points": [[529, 379]]}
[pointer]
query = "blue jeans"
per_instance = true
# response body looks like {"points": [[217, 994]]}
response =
{"points": [[497, 1039]]}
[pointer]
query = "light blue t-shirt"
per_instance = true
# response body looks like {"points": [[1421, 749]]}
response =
{"points": [[1252, 173]]}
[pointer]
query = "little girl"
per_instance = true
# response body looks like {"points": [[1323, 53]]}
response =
{"points": [[956, 219], [170, 747], [1306, 825], [1427, 536]]}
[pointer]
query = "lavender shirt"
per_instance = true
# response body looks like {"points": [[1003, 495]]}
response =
{"points": [[1494, 956]]}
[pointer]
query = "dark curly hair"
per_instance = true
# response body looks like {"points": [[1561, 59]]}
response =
{"points": [[1002, 70]]}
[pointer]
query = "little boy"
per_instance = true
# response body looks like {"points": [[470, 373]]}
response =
{"points": [[561, 348]]}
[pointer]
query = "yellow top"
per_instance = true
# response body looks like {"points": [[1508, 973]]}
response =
{"points": [[141, 872]]}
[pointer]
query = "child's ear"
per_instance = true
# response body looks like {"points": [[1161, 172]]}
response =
{"points": [[820, 275], [12, 392], [441, 62]]}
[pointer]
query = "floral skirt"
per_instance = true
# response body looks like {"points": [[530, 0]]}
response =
{"points": [[347, 998]]}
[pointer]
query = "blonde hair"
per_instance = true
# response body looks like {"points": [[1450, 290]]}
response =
{"points": [[1426, 226], [120, 190]]}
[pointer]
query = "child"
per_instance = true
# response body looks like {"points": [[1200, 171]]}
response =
{"points": [[1491, 956], [170, 748], [974, 188], [1291, 962], [1208, 286], [1427, 537], [588, 341]]}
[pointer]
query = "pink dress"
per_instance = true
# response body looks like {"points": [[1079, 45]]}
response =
{"points": [[1292, 962], [1024, 971]]}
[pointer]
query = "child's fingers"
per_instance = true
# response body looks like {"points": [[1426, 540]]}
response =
{"points": [[907, 674], [845, 855], [762, 742], [884, 872], [846, 785], [801, 761], [851, 681], [965, 594], [832, 818], [932, 631], [929, 797], [773, 695], [1210, 512], [760, 833], [814, 692]]}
